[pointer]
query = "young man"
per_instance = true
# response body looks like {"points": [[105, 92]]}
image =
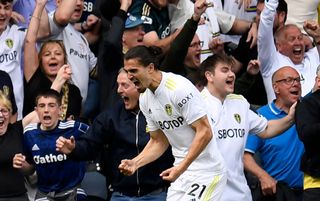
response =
{"points": [[58, 177], [280, 160], [10, 52], [232, 121], [175, 116]]}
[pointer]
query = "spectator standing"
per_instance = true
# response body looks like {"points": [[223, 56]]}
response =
{"points": [[40, 150], [122, 129], [307, 122], [280, 160]]}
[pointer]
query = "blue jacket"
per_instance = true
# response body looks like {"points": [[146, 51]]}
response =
{"points": [[122, 134]]}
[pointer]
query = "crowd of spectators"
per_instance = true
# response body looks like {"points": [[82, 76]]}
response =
{"points": [[77, 48]]}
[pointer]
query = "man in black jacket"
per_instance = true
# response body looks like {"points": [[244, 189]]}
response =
{"points": [[122, 129], [308, 127]]}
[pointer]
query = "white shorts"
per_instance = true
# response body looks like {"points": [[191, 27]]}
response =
{"points": [[199, 186]]}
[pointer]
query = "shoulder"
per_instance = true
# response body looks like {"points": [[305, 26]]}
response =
{"points": [[30, 127], [236, 97]]}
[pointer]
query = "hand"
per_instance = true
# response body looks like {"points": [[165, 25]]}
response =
{"points": [[199, 7], [125, 4], [216, 45], [64, 73], [16, 17], [253, 67], [313, 29], [292, 111], [245, 3], [127, 167], [64, 145], [91, 22], [253, 35], [19, 161], [268, 185], [171, 174]]}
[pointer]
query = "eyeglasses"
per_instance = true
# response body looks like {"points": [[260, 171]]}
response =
{"points": [[290, 80], [4, 111], [195, 44]]}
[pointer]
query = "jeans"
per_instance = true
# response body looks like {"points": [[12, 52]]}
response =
{"points": [[116, 196]]}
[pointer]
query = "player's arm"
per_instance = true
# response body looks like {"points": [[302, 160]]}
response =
{"points": [[276, 127], [156, 146], [268, 184], [203, 135]]}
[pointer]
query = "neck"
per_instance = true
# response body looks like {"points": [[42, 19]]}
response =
{"points": [[156, 80], [282, 106], [214, 92]]}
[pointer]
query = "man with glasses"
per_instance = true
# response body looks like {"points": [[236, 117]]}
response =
{"points": [[286, 48], [280, 156]]}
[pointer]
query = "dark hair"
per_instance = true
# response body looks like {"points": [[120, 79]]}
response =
{"points": [[49, 93], [282, 7], [145, 55], [210, 63], [6, 1]]}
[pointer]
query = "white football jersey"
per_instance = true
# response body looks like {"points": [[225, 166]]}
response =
{"points": [[12, 40], [232, 121], [175, 105]]}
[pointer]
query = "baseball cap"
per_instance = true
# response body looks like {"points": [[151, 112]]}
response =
{"points": [[133, 21]]}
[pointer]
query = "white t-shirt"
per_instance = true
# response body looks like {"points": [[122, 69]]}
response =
{"points": [[232, 121], [271, 60], [232, 7], [80, 57], [175, 105], [12, 40]]}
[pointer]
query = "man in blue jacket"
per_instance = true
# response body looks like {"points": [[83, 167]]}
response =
{"points": [[122, 130]]}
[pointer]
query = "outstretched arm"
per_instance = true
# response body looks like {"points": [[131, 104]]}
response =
{"points": [[31, 61], [276, 127]]}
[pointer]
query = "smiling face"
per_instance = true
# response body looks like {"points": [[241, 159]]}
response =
{"points": [[138, 74], [291, 44], [52, 57], [48, 110], [5, 15], [127, 91], [221, 80], [286, 93]]}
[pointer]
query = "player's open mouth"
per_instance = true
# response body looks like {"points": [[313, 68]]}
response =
{"points": [[1, 122]]}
